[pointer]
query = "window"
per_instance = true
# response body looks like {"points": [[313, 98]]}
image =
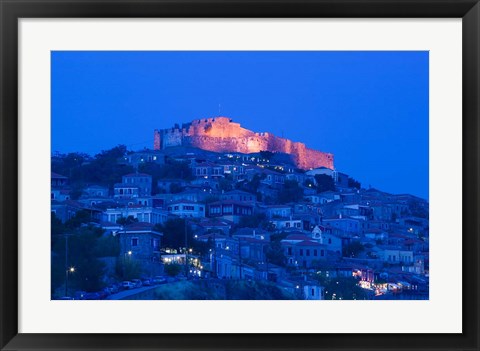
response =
{"points": [[301, 252], [313, 292], [329, 240], [134, 241], [315, 252], [289, 251], [308, 252], [322, 253]]}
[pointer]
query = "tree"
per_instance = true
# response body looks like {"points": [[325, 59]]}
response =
{"points": [[324, 183], [352, 183], [81, 217], [291, 192], [353, 249], [77, 191], [341, 288], [107, 246], [69, 164], [418, 208], [252, 221], [175, 188], [81, 169], [252, 185], [225, 185], [174, 235], [173, 269], [275, 253], [309, 183], [127, 220], [104, 169], [172, 169], [83, 255], [128, 268]]}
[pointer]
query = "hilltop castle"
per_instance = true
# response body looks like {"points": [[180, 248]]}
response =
{"points": [[220, 134]]}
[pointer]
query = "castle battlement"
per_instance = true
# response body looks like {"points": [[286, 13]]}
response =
{"points": [[221, 134]]}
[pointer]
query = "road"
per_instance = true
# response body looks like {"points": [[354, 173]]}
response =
{"points": [[125, 293]]}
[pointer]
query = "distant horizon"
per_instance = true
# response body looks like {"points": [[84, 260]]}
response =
{"points": [[369, 109]]}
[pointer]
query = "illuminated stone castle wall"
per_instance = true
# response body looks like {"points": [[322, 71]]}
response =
{"points": [[220, 134]]}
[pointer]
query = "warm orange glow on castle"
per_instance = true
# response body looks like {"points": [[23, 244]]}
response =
{"points": [[220, 134]]}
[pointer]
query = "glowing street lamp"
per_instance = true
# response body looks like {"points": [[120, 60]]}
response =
{"points": [[67, 271]]}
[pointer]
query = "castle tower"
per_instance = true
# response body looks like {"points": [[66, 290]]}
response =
{"points": [[157, 140]]}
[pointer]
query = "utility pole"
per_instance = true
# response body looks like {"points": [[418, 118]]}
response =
{"points": [[67, 270], [214, 255], [186, 249], [240, 255]]}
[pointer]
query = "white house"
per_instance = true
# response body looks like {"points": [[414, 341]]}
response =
{"points": [[185, 208], [313, 292]]}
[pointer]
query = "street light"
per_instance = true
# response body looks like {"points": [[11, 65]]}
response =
{"points": [[129, 254], [69, 270]]}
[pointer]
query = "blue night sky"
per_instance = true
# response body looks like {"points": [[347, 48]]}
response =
{"points": [[370, 109]]}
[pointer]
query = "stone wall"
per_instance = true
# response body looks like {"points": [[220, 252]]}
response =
{"points": [[220, 134]]}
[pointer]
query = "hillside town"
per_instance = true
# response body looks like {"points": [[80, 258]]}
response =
{"points": [[229, 225]]}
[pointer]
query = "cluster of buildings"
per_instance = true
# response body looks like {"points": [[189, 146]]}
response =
{"points": [[231, 202]]}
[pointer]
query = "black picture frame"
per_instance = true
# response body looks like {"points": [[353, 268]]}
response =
{"points": [[11, 11]]}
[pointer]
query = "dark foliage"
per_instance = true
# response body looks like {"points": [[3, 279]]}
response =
{"points": [[291, 192], [324, 183], [353, 249], [352, 183]]}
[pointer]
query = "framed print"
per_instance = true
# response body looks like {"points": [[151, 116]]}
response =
{"points": [[225, 175]]}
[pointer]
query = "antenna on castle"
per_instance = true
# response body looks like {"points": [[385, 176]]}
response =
{"points": [[219, 110]]}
